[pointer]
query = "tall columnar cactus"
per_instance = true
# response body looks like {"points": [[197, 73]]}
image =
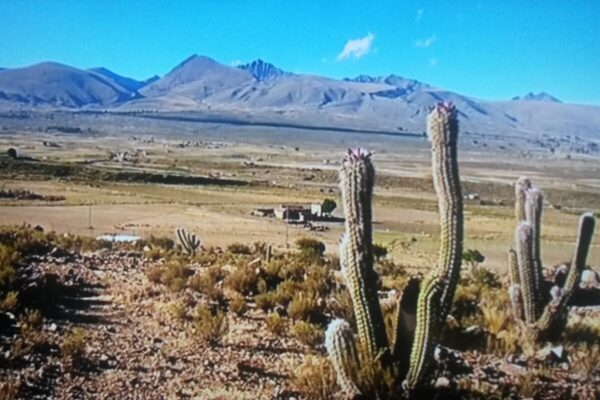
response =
{"points": [[442, 131], [546, 317], [430, 300], [188, 241], [356, 251]]}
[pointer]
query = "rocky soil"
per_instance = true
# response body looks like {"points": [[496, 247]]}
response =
{"points": [[136, 348]]}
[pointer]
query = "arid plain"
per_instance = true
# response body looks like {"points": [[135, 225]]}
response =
{"points": [[279, 165]]}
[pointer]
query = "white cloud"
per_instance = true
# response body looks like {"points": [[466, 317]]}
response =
{"points": [[426, 42], [235, 63], [357, 48], [420, 12]]}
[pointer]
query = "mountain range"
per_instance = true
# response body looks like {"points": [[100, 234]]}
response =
{"points": [[261, 92]]}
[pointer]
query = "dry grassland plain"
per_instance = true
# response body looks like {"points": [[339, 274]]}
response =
{"points": [[277, 166]]}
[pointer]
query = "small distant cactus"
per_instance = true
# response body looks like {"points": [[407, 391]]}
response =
{"points": [[188, 241], [543, 311], [411, 353]]}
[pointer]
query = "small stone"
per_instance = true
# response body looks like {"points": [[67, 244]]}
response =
{"points": [[589, 279], [442, 382], [558, 352]]}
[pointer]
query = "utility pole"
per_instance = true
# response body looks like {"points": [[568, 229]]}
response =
{"points": [[90, 227], [286, 232]]}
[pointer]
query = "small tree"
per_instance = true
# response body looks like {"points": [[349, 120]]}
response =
{"points": [[310, 246], [379, 251], [13, 153], [473, 258], [328, 206]]}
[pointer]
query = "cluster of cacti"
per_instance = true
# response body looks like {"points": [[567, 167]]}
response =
{"points": [[188, 241], [543, 310], [424, 306]]}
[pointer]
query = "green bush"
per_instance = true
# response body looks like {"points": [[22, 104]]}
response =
{"points": [[238, 248], [310, 246], [379, 251]]}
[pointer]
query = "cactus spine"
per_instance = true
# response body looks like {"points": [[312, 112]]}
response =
{"points": [[188, 241], [546, 319], [356, 258]]}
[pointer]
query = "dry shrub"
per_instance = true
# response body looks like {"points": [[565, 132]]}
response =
{"points": [[175, 275], [308, 334], [276, 324], [340, 305], [32, 338], [310, 248], [154, 274], [207, 283], [243, 280], [9, 257], [73, 346], [32, 320], [10, 302], [585, 359], [178, 310], [286, 291], [211, 325], [304, 306], [315, 378], [496, 318], [317, 280], [154, 253], [156, 242], [9, 389], [265, 301], [583, 329], [466, 304], [238, 248], [375, 381], [238, 305]]}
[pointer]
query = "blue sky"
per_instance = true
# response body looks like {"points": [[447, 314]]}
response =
{"points": [[487, 49]]}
